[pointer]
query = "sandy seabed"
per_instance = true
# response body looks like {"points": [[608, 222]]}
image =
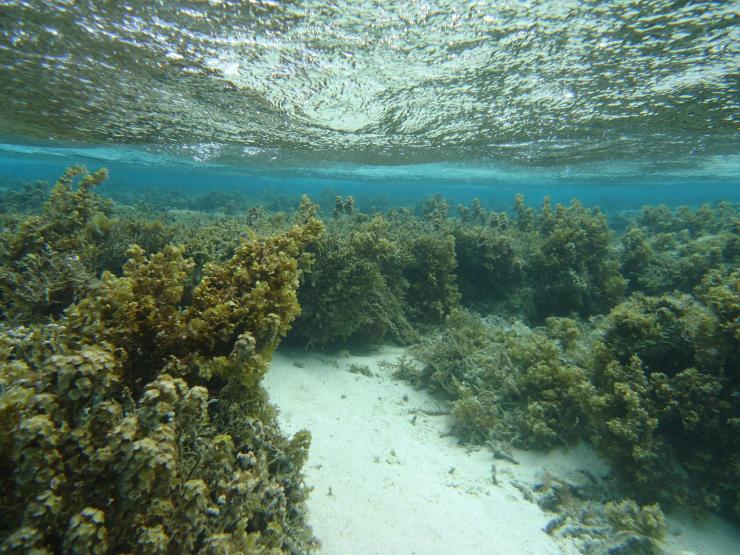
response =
{"points": [[388, 479]]}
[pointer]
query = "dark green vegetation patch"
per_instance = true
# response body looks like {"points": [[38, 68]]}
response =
{"points": [[135, 420], [134, 340]]}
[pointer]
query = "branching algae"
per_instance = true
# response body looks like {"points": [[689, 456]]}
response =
{"points": [[137, 423]]}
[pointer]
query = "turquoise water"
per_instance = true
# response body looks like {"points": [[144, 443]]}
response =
{"points": [[615, 185]]}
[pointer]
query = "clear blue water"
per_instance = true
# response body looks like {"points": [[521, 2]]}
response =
{"points": [[613, 186]]}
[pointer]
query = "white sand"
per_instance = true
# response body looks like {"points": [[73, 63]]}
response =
{"points": [[384, 484]]}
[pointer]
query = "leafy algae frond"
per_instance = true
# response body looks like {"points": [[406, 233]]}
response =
{"points": [[136, 422]]}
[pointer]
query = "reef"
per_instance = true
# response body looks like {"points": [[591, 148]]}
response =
{"points": [[135, 422], [136, 330]]}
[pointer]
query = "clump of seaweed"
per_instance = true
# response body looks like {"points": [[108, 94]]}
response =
{"points": [[137, 423], [666, 250], [48, 260], [125, 228], [353, 289], [574, 268], [430, 273], [491, 259], [652, 386], [374, 277], [25, 198], [507, 383], [661, 403], [557, 261]]}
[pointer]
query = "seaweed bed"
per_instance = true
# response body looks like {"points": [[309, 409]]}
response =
{"points": [[135, 333]]}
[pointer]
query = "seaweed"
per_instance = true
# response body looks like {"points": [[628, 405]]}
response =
{"points": [[134, 342], [354, 289], [507, 383], [48, 260], [662, 400], [491, 263], [666, 250], [136, 422], [574, 269]]}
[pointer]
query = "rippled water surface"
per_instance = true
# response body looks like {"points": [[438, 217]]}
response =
{"points": [[536, 83]]}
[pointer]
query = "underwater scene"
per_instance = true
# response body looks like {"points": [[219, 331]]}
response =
{"points": [[360, 277]]}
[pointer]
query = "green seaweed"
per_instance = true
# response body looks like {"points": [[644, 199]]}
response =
{"points": [[134, 342], [507, 383], [354, 289], [666, 250], [48, 260], [574, 268], [136, 422], [373, 278], [661, 401]]}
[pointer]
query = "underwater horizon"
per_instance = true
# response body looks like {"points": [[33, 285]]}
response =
{"points": [[484, 94], [426, 276]]}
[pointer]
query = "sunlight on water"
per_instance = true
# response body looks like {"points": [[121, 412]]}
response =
{"points": [[535, 82]]}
